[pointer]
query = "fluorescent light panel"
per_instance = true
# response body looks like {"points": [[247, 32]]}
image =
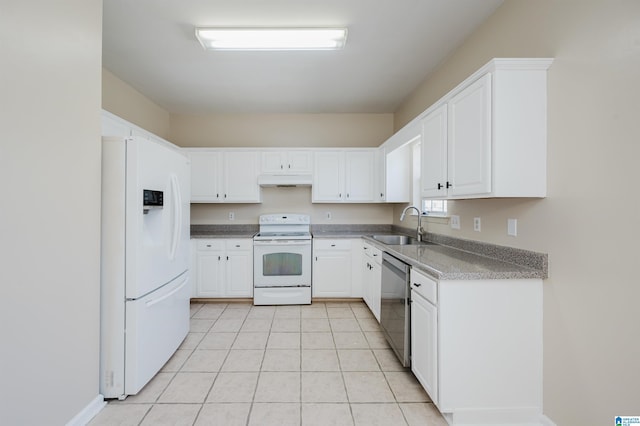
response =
{"points": [[272, 38]]}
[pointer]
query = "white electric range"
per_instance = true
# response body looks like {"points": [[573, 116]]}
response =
{"points": [[282, 260]]}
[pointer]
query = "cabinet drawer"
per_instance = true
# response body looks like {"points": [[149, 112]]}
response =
{"points": [[373, 253], [239, 244], [340, 244], [204, 245], [424, 286]]}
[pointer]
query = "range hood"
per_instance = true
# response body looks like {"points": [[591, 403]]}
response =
{"points": [[284, 180]]}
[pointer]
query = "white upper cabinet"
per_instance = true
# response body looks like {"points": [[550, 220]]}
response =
{"points": [[433, 163], [294, 161], [224, 176], [487, 137], [344, 176]]}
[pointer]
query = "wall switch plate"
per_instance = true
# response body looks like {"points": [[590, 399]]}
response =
{"points": [[512, 227], [232, 216], [476, 224], [328, 216], [455, 222]]}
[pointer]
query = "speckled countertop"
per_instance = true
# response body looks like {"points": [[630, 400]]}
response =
{"points": [[223, 231], [447, 258], [448, 263]]}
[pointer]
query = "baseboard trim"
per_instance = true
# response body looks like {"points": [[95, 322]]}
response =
{"points": [[88, 412]]}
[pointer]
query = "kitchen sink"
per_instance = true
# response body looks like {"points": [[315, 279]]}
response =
{"points": [[398, 240]]}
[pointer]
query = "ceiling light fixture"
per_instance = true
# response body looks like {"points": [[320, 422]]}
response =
{"points": [[271, 38]]}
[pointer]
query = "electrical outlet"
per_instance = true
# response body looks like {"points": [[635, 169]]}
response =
{"points": [[232, 216], [455, 222], [476, 224], [328, 216], [512, 227]]}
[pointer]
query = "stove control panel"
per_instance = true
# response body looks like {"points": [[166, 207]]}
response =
{"points": [[285, 219]]}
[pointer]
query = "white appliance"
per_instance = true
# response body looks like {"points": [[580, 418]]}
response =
{"points": [[144, 262], [282, 260]]}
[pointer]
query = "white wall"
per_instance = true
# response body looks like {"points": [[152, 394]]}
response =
{"points": [[587, 223], [50, 209]]}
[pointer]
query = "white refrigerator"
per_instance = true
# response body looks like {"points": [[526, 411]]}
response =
{"points": [[145, 286]]}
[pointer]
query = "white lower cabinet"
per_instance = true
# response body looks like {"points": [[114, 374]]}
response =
{"points": [[223, 268], [424, 333], [372, 278], [333, 268], [477, 348]]}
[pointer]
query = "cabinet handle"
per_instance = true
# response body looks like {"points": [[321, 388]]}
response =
{"points": [[449, 184], [375, 254], [316, 258], [217, 195], [227, 257], [237, 245], [417, 284], [281, 167], [219, 257], [208, 245], [381, 195], [439, 185], [340, 195], [333, 245], [289, 165], [347, 195], [225, 195]]}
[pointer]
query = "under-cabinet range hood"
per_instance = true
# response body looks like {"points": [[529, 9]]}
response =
{"points": [[284, 180]]}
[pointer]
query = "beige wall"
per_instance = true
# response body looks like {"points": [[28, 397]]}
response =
{"points": [[291, 200], [587, 223], [50, 211], [121, 99], [285, 130]]}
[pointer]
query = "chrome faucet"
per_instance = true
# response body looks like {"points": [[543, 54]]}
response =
{"points": [[419, 231]]}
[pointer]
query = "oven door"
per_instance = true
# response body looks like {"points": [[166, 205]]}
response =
{"points": [[282, 263]]}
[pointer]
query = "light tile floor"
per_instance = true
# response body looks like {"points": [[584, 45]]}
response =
{"points": [[319, 364]]}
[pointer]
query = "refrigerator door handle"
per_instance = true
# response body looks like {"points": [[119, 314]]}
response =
{"points": [[152, 302], [177, 216]]}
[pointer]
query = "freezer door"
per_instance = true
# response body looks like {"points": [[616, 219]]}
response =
{"points": [[155, 326], [157, 246]]}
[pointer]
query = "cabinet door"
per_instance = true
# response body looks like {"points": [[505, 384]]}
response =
{"points": [[398, 174], [299, 162], [210, 274], [433, 166], [328, 176], [360, 176], [424, 340], [239, 273], [332, 273], [272, 162], [375, 281], [469, 144], [241, 177], [205, 177]]}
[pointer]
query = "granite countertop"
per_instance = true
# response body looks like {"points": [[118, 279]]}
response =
{"points": [[449, 263], [445, 258], [448, 258], [223, 231]]}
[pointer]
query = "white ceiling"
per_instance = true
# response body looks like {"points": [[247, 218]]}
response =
{"points": [[392, 45]]}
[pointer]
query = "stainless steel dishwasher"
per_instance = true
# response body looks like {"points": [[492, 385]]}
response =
{"points": [[395, 317]]}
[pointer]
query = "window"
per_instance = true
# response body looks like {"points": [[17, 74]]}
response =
{"points": [[434, 207]]}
